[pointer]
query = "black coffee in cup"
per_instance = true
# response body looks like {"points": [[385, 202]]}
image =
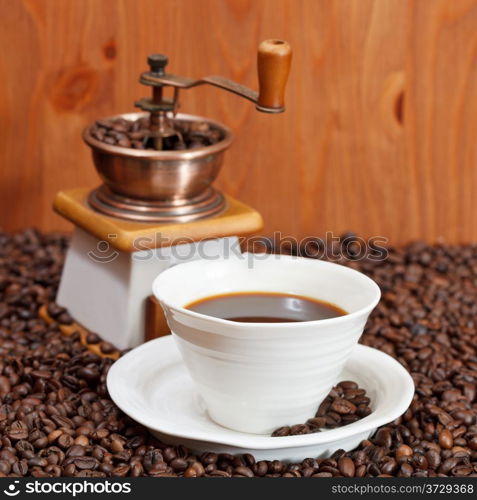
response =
{"points": [[265, 307]]}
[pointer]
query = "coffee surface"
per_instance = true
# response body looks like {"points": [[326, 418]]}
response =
{"points": [[264, 307]]}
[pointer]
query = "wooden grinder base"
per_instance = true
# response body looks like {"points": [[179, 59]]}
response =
{"points": [[237, 219], [74, 327]]}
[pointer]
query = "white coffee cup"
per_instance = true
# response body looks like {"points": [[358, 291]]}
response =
{"points": [[255, 377]]}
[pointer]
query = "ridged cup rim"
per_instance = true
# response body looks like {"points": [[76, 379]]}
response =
{"points": [[157, 286]]}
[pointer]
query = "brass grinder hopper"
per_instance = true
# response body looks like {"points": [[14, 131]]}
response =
{"points": [[166, 180]]}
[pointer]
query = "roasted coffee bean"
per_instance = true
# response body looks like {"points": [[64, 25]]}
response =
{"points": [[348, 385], [317, 422], [322, 474], [243, 471], [54, 310], [404, 451], [327, 415], [18, 430], [93, 338], [137, 470], [419, 461], [75, 450], [105, 467], [349, 419], [389, 466], [89, 373], [5, 467], [128, 133], [342, 406], [82, 441], [261, 468], [383, 437], [20, 468], [109, 140], [124, 142], [65, 441], [169, 453], [98, 133], [324, 407], [196, 469], [433, 458], [85, 463], [121, 471], [116, 446], [179, 464], [445, 439], [37, 462], [346, 466], [472, 443], [249, 459], [281, 431], [65, 319], [448, 464], [299, 429], [5, 386], [107, 348]]}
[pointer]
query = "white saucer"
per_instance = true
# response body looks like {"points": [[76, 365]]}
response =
{"points": [[152, 386]]}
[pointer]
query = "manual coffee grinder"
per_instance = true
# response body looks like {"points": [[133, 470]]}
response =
{"points": [[157, 206]]}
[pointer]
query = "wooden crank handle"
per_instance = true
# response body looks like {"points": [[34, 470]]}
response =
{"points": [[273, 65]]}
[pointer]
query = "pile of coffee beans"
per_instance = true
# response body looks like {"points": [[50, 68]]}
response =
{"points": [[346, 403], [60, 315], [56, 418], [136, 134]]}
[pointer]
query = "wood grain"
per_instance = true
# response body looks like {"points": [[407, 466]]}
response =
{"points": [[155, 323], [379, 135], [236, 219]]}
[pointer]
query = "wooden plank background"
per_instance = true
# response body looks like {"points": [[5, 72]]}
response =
{"points": [[380, 135]]}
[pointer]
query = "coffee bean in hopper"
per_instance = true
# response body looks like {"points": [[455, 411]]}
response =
{"points": [[134, 133]]}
